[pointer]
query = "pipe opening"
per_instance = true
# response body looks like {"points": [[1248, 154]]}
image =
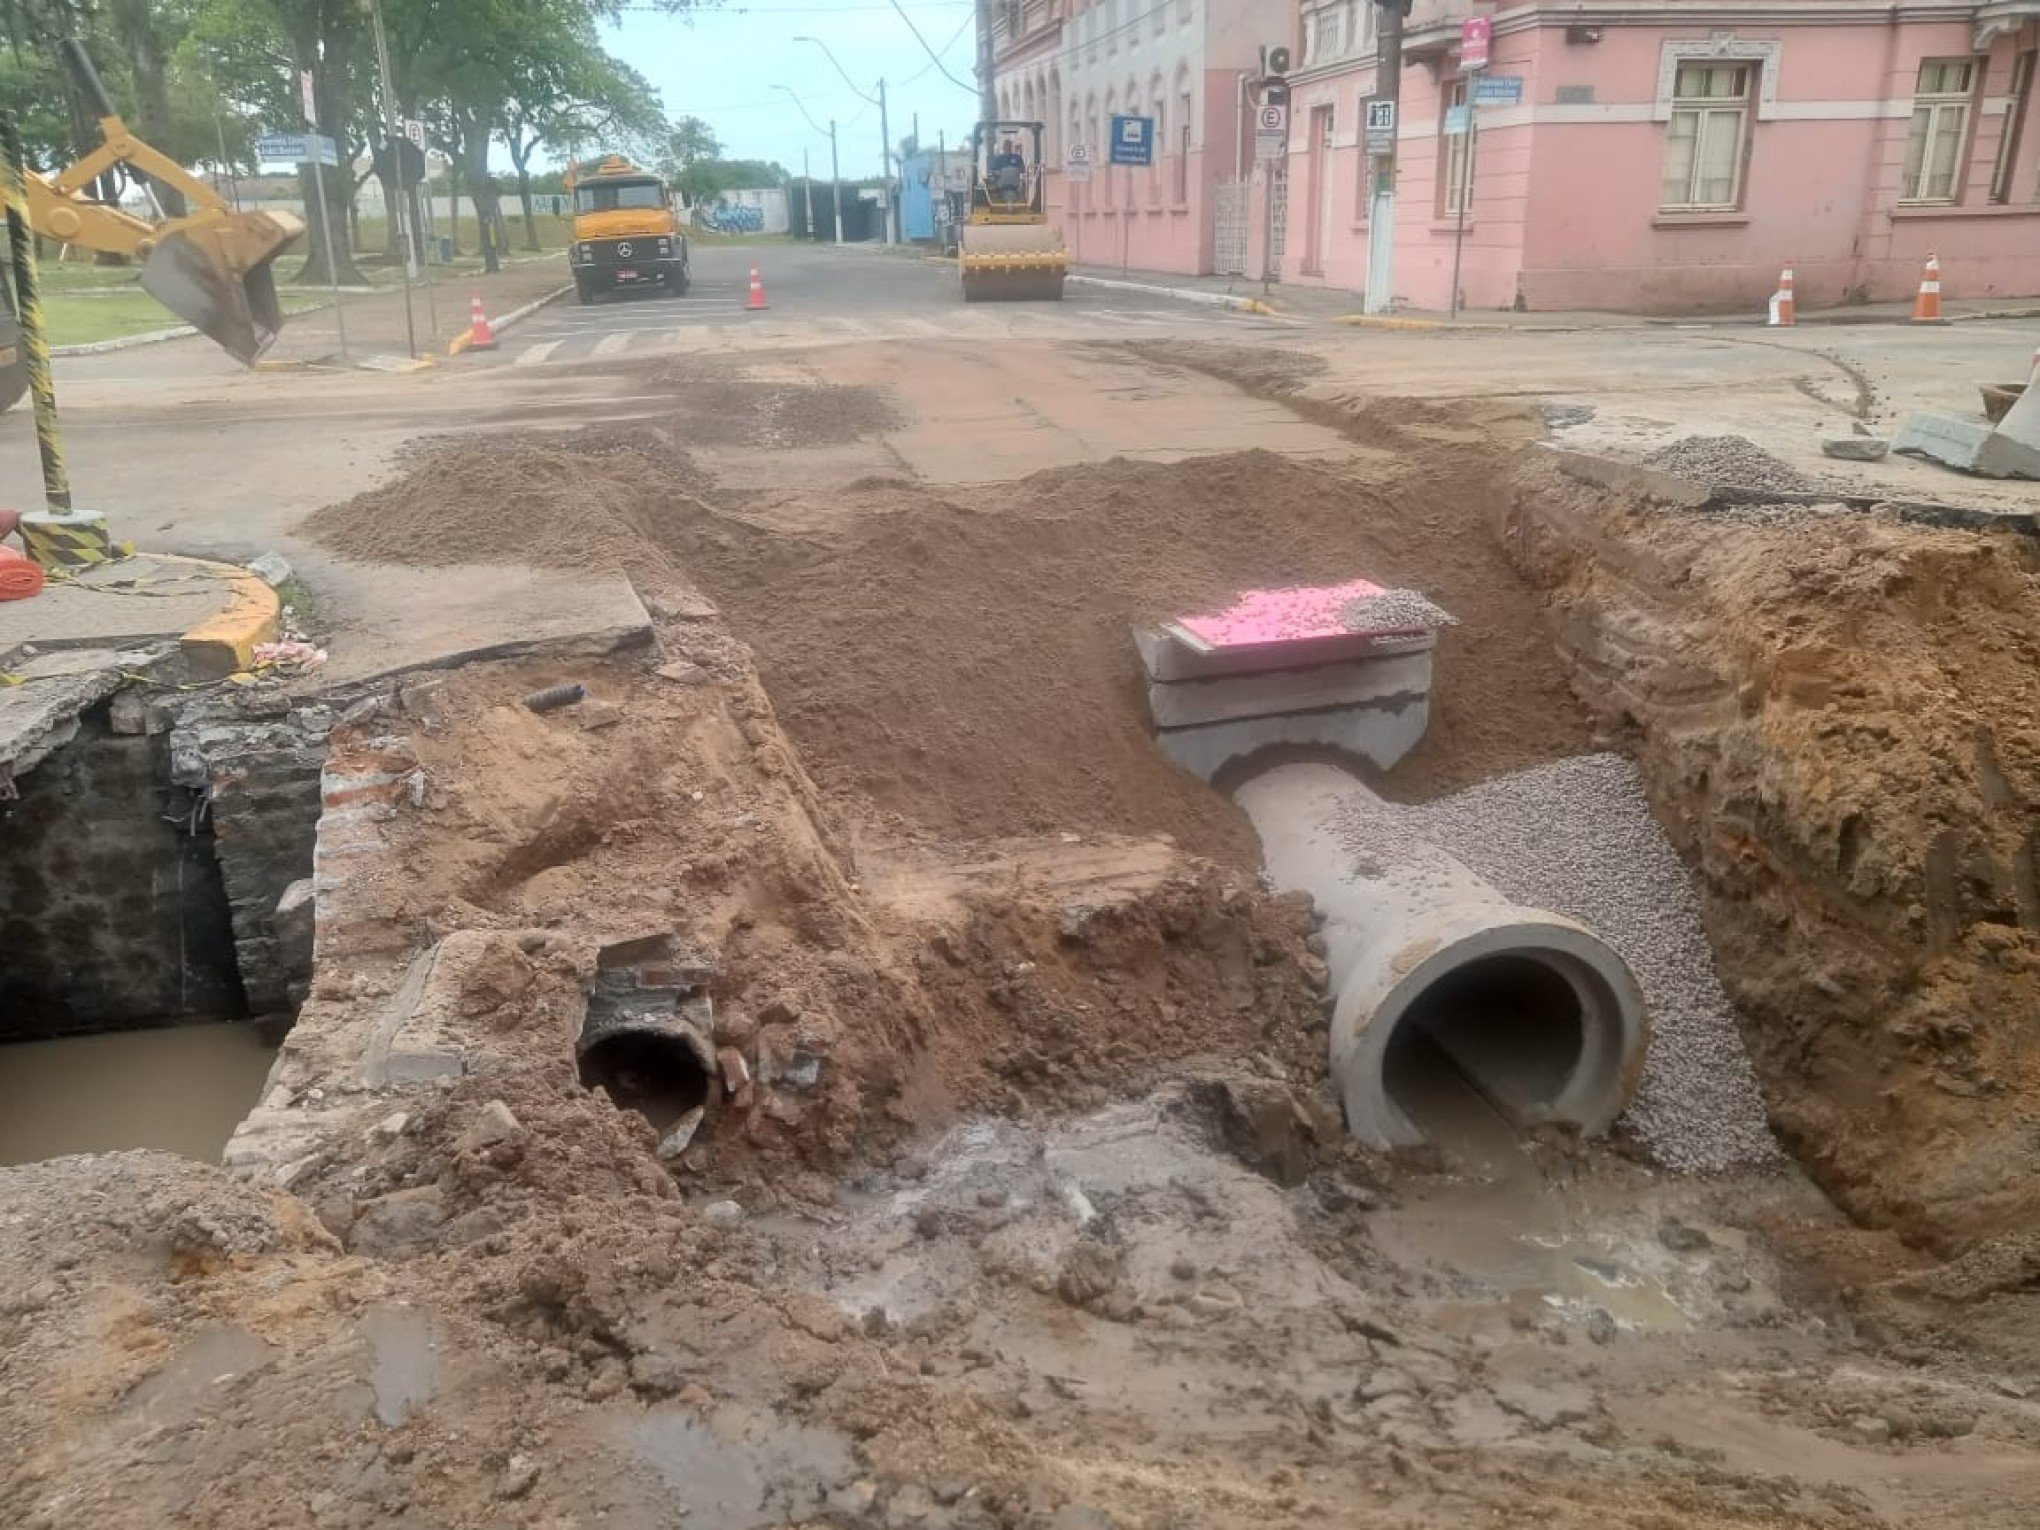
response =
{"points": [[655, 1073], [1500, 1038]]}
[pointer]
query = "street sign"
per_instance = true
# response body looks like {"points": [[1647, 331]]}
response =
{"points": [[1133, 140], [297, 148], [415, 131], [1456, 120], [1474, 35], [1271, 130], [1077, 162], [1380, 126], [311, 98], [1499, 90]]}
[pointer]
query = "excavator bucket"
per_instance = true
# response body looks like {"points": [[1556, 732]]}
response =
{"points": [[213, 271], [1005, 261]]}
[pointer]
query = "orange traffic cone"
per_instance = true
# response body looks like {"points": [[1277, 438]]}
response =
{"points": [[1927, 306], [757, 303], [1783, 314], [480, 336]]}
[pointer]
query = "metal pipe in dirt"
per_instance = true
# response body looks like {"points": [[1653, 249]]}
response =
{"points": [[1434, 972]]}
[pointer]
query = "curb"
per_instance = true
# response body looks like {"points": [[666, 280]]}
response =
{"points": [[124, 342], [1186, 294], [460, 343], [1387, 321], [224, 643]]}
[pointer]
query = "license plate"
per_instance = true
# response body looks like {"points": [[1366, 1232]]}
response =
{"points": [[626, 274]]}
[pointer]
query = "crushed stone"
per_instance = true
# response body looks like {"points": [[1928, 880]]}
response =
{"points": [[1576, 837], [1730, 461]]}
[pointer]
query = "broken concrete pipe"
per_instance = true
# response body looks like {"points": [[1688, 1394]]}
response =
{"points": [[1438, 980]]}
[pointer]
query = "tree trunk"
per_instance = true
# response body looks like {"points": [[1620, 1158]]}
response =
{"points": [[520, 156], [474, 154], [151, 68]]}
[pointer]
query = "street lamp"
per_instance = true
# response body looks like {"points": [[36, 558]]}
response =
{"points": [[835, 175], [886, 160]]}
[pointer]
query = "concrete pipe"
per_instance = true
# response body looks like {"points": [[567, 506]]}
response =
{"points": [[1433, 972], [657, 1064]]}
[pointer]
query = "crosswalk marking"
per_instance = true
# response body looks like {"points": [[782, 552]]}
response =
{"points": [[533, 355], [609, 345]]}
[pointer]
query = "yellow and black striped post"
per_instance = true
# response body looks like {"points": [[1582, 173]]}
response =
{"points": [[58, 536]]}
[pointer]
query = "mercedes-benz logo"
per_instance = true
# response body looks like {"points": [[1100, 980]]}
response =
{"points": [[623, 249]]}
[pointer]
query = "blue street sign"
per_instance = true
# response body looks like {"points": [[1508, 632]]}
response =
{"points": [[1133, 140], [297, 148], [1498, 90]]}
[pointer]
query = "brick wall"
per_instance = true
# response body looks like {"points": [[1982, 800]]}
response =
{"points": [[112, 910]]}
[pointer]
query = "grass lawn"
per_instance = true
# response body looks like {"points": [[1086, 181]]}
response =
{"points": [[76, 318]]}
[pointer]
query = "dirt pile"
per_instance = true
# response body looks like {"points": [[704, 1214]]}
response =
{"points": [[967, 663], [588, 499], [1837, 716], [961, 979]]}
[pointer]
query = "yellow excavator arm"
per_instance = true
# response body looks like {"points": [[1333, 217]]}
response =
{"points": [[210, 267]]}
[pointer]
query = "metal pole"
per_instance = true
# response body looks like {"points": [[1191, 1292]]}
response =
{"points": [[35, 347], [226, 169], [885, 167], [835, 181], [807, 197], [326, 238], [988, 93], [1380, 295], [393, 137], [1465, 196]]}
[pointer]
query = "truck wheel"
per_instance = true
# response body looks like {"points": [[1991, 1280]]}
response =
{"points": [[584, 290], [680, 281]]}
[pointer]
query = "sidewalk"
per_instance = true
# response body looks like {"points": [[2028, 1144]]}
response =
{"points": [[1334, 305]]}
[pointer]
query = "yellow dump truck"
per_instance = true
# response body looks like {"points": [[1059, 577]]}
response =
{"points": [[626, 231]]}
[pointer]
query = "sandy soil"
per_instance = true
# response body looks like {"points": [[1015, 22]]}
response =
{"points": [[1024, 1202]]}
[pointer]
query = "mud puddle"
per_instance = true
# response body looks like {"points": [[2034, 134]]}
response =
{"points": [[182, 1089]]}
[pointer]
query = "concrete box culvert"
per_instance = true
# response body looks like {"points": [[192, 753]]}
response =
{"points": [[1433, 969]]}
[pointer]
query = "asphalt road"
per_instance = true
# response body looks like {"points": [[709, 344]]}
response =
{"points": [[820, 294]]}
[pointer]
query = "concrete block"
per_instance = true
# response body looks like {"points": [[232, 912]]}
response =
{"points": [[1856, 448], [1167, 660], [1942, 438], [1359, 683], [1381, 734]]}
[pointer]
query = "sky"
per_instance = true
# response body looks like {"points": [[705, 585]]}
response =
{"points": [[721, 63]]}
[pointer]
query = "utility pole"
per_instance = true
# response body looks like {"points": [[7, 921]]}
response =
{"points": [[988, 95], [835, 181], [885, 164], [1380, 294], [807, 197], [393, 136]]}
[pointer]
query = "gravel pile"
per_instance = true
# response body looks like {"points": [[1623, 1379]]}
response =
{"points": [[1730, 461], [1577, 838], [1394, 611]]}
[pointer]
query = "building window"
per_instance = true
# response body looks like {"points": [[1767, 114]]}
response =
{"points": [[1940, 126], [2015, 128], [1705, 139], [1458, 147]]}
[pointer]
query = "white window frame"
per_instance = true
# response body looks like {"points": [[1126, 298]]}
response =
{"points": [[1457, 160], [1710, 114], [1948, 113]]}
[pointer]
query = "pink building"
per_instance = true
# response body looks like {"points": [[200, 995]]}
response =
{"points": [[1073, 64], [1671, 156]]}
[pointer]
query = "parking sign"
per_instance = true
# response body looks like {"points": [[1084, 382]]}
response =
{"points": [[1133, 140]]}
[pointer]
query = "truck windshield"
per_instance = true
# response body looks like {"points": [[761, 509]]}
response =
{"points": [[629, 194]]}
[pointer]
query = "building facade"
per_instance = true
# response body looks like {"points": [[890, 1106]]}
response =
{"points": [[1074, 64], [1671, 157]]}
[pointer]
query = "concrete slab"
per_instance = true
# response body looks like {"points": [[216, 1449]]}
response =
{"points": [[1380, 734], [1317, 688], [1167, 660], [42, 698], [135, 600], [1953, 442]]}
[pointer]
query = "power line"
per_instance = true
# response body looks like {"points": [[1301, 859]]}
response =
{"points": [[937, 63], [933, 57]]}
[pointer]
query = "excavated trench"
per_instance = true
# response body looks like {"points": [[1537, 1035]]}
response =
{"points": [[143, 987]]}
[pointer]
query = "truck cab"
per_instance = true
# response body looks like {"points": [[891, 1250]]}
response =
{"points": [[626, 231]]}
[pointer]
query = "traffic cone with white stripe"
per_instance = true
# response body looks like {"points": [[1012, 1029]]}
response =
{"points": [[480, 336], [1927, 306], [757, 302], [1783, 313]]}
